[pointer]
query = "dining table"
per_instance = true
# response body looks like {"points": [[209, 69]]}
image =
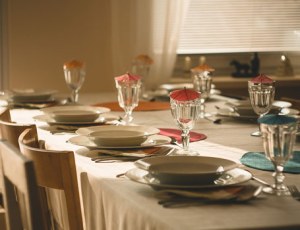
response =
{"points": [[111, 200]]}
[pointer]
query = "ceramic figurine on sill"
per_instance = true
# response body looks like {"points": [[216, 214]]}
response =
{"points": [[246, 70]]}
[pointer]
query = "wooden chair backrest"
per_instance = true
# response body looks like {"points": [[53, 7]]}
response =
{"points": [[20, 189], [55, 169], [11, 131]]}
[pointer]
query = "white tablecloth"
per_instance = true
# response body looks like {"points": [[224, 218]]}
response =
{"points": [[118, 203]]}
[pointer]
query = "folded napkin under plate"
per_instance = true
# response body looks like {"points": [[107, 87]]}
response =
{"points": [[258, 160], [177, 198], [110, 155]]}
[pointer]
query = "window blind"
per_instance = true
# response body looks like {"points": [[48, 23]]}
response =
{"points": [[218, 26]]}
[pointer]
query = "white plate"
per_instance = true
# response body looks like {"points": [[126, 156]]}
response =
{"points": [[118, 137], [75, 113], [228, 112], [154, 140], [146, 130], [30, 95], [232, 177], [103, 118], [185, 170], [82, 108]]}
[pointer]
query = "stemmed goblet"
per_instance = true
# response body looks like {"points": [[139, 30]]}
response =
{"points": [[128, 87], [74, 72], [185, 108], [141, 66], [279, 134], [202, 83], [261, 91]]}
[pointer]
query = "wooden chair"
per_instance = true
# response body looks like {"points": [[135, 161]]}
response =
{"points": [[55, 169], [23, 210], [11, 131]]}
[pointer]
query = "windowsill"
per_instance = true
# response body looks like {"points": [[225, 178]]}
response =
{"points": [[234, 82], [285, 86]]}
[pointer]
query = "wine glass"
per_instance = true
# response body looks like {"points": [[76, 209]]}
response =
{"points": [[185, 114], [141, 66], [278, 140], [74, 72], [202, 83], [261, 98], [128, 97]]}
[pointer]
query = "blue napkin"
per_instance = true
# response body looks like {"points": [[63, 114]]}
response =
{"points": [[258, 160]]}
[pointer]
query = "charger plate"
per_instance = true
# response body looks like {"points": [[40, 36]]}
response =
{"points": [[232, 177]]}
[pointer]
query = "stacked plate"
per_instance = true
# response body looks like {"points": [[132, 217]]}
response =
{"points": [[187, 172], [119, 137], [244, 110], [75, 115]]}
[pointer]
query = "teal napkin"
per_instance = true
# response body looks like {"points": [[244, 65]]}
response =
{"points": [[259, 161]]}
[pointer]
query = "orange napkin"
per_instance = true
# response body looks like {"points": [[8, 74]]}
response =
{"points": [[143, 106]]}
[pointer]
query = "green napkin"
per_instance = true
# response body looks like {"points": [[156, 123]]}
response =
{"points": [[259, 161]]}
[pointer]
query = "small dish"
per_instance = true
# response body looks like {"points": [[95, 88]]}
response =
{"points": [[146, 130], [152, 141], [185, 170], [118, 137], [75, 115]]}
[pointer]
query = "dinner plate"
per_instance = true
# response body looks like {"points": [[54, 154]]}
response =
{"points": [[153, 140], [242, 114], [75, 113], [232, 177], [146, 130], [185, 170], [103, 118], [31, 96]]}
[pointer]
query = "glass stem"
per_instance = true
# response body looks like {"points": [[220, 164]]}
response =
{"points": [[128, 117], [75, 96], [202, 108], [279, 177], [185, 138]]}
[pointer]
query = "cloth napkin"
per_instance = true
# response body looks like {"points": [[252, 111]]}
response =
{"points": [[258, 160], [173, 197], [176, 133], [142, 106]]}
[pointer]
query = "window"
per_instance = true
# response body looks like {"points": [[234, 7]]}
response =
{"points": [[218, 26]]}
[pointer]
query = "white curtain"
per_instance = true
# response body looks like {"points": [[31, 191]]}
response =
{"points": [[147, 27]]}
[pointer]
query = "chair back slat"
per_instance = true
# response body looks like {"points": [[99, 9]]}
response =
{"points": [[55, 169], [21, 193]]}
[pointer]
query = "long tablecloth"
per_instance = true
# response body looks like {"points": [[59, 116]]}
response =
{"points": [[118, 203]]}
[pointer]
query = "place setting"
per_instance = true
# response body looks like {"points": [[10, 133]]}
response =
{"points": [[261, 101], [192, 180], [69, 118], [121, 143], [31, 98]]}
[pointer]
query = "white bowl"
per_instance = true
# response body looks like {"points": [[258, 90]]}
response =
{"points": [[74, 115], [118, 137], [185, 170]]}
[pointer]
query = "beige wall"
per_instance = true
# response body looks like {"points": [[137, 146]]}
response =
{"points": [[43, 35]]}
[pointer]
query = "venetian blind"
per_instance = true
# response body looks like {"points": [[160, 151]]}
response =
{"points": [[218, 26]]}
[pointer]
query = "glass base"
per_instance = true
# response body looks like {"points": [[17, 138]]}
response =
{"points": [[182, 152], [282, 191], [256, 134], [204, 115]]}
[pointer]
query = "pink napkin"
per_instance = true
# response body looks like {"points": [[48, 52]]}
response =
{"points": [[262, 78], [176, 133]]}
